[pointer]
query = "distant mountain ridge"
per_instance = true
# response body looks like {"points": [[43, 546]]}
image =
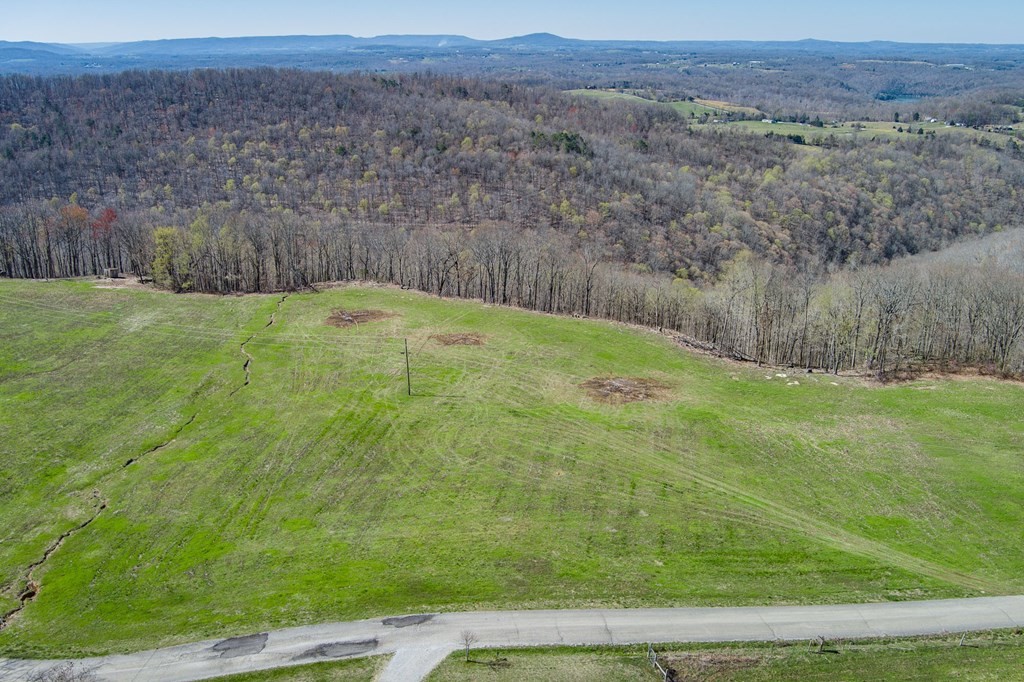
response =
{"points": [[344, 51], [56, 48], [441, 41], [292, 43]]}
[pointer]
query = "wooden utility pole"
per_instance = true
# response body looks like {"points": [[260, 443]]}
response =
{"points": [[408, 375]]}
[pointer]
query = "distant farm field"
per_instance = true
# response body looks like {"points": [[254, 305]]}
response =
{"points": [[727, 106], [224, 465], [864, 130], [849, 129], [690, 109]]}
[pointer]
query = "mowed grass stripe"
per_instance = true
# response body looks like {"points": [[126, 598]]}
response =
{"points": [[321, 491]]}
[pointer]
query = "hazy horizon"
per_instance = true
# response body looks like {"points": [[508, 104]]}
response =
{"points": [[109, 21]]}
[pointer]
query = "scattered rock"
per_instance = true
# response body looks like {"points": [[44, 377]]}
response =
{"points": [[351, 318]]}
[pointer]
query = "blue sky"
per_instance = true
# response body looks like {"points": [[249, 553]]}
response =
{"points": [[994, 21]]}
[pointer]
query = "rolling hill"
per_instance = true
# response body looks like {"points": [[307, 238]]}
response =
{"points": [[179, 467]]}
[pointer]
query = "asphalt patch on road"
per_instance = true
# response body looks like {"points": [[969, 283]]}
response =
{"points": [[339, 649], [241, 646], [408, 621]]}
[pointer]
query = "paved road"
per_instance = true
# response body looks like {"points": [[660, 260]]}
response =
{"points": [[421, 642]]}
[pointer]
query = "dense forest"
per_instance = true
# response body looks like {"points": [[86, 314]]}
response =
{"points": [[657, 190], [758, 247]]}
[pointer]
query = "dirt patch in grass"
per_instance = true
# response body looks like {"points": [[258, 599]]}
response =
{"points": [[618, 390], [126, 282], [459, 339], [351, 318], [709, 665]]}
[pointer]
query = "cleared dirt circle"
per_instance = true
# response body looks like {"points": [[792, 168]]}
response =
{"points": [[618, 390], [351, 318], [459, 339]]}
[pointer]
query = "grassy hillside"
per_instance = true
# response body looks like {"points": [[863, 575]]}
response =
{"points": [[320, 491], [690, 109]]}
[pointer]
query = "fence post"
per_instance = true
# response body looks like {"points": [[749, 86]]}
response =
{"points": [[652, 657]]}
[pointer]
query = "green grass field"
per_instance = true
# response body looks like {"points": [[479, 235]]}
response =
{"points": [[689, 109], [849, 129], [354, 670], [320, 491], [994, 656], [862, 129]]}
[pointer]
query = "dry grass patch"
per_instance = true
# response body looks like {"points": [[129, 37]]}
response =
{"points": [[459, 339], [351, 318], [727, 106], [709, 665], [619, 390]]}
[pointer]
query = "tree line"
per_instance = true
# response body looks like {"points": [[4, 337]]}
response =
{"points": [[884, 319]]}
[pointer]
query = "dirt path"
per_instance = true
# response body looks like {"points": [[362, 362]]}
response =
{"points": [[420, 642]]}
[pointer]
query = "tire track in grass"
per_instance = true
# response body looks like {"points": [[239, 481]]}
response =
{"points": [[260, 506], [807, 525], [523, 471], [781, 515], [32, 589], [778, 514], [842, 539], [761, 508]]}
